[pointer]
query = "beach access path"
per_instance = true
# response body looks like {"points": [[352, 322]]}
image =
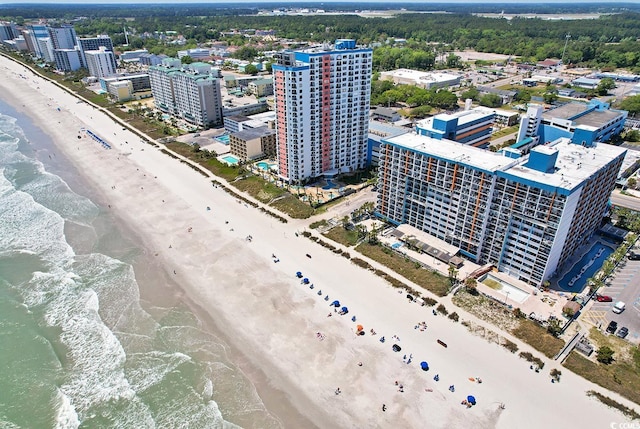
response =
{"points": [[274, 320]]}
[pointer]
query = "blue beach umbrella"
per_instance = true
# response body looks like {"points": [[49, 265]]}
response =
{"points": [[335, 303], [471, 400], [306, 281], [299, 275], [424, 366], [345, 310]]}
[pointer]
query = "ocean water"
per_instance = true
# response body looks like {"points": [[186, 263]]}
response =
{"points": [[79, 347]]}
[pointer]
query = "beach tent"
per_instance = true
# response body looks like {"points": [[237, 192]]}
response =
{"points": [[471, 400], [299, 275], [335, 304], [345, 310], [396, 348], [424, 366]]}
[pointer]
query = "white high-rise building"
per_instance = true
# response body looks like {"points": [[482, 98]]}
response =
{"points": [[100, 62], [526, 215], [191, 92], [322, 110]]}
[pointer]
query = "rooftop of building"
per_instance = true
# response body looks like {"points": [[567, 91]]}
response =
{"points": [[596, 119], [574, 163], [421, 76], [464, 117], [253, 133], [500, 112], [450, 150]]}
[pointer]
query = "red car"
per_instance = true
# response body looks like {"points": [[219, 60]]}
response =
{"points": [[603, 298]]}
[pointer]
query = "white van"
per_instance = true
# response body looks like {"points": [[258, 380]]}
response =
{"points": [[618, 307]]}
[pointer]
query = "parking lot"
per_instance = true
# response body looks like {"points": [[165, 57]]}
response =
{"points": [[623, 286]]}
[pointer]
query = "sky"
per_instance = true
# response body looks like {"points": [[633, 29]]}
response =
{"points": [[303, 1]]}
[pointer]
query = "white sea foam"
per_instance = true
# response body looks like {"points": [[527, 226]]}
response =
{"points": [[66, 416], [88, 297]]}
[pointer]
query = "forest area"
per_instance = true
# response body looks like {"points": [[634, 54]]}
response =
{"points": [[609, 42]]}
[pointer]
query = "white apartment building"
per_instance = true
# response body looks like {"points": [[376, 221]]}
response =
{"points": [[322, 110], [190, 92], [100, 62], [527, 215]]}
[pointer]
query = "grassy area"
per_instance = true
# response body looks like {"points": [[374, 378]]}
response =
{"points": [[538, 337], [259, 189], [342, 236], [430, 280], [621, 376], [360, 177], [293, 207], [492, 284], [505, 132]]}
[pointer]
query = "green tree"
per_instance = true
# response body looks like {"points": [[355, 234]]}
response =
{"points": [[632, 136], [251, 69], [554, 327], [631, 105], [605, 85], [491, 100], [549, 97], [246, 53], [471, 284], [186, 59], [453, 275], [605, 354], [632, 182], [471, 93]]}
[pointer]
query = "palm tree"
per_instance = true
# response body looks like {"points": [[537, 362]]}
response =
{"points": [[453, 274], [471, 284]]}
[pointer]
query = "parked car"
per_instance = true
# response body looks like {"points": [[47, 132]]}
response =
{"points": [[634, 256], [618, 307], [623, 332], [611, 328], [603, 298]]}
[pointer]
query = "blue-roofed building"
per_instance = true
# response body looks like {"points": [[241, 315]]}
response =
{"points": [[471, 127], [526, 215], [377, 132], [583, 123]]}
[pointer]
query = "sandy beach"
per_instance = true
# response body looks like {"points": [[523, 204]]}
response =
{"points": [[290, 342]]}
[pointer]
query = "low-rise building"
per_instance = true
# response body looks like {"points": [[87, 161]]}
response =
{"points": [[471, 127], [426, 80], [253, 143], [261, 87]]}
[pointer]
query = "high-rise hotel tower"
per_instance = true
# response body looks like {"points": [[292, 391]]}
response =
{"points": [[322, 110]]}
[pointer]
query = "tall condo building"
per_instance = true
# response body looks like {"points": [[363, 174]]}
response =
{"points": [[93, 44], [31, 34], [100, 62], [63, 37], [322, 110], [524, 215], [190, 92]]}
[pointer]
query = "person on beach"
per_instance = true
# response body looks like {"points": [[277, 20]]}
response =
{"points": [[384, 407], [338, 391]]}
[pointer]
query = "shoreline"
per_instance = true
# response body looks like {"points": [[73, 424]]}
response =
{"points": [[273, 321]]}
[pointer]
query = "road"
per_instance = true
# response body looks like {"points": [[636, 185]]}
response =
{"points": [[627, 201]]}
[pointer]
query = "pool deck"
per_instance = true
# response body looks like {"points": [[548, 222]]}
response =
{"points": [[576, 258], [543, 304]]}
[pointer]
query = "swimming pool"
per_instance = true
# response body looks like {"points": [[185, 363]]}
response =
{"points": [[224, 139], [166, 117], [230, 159], [329, 185], [396, 245], [508, 290], [264, 165], [576, 279]]}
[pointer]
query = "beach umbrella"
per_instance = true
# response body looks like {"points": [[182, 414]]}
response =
{"points": [[345, 310], [424, 366], [359, 327], [335, 304], [396, 348], [306, 281], [471, 400], [299, 274]]}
